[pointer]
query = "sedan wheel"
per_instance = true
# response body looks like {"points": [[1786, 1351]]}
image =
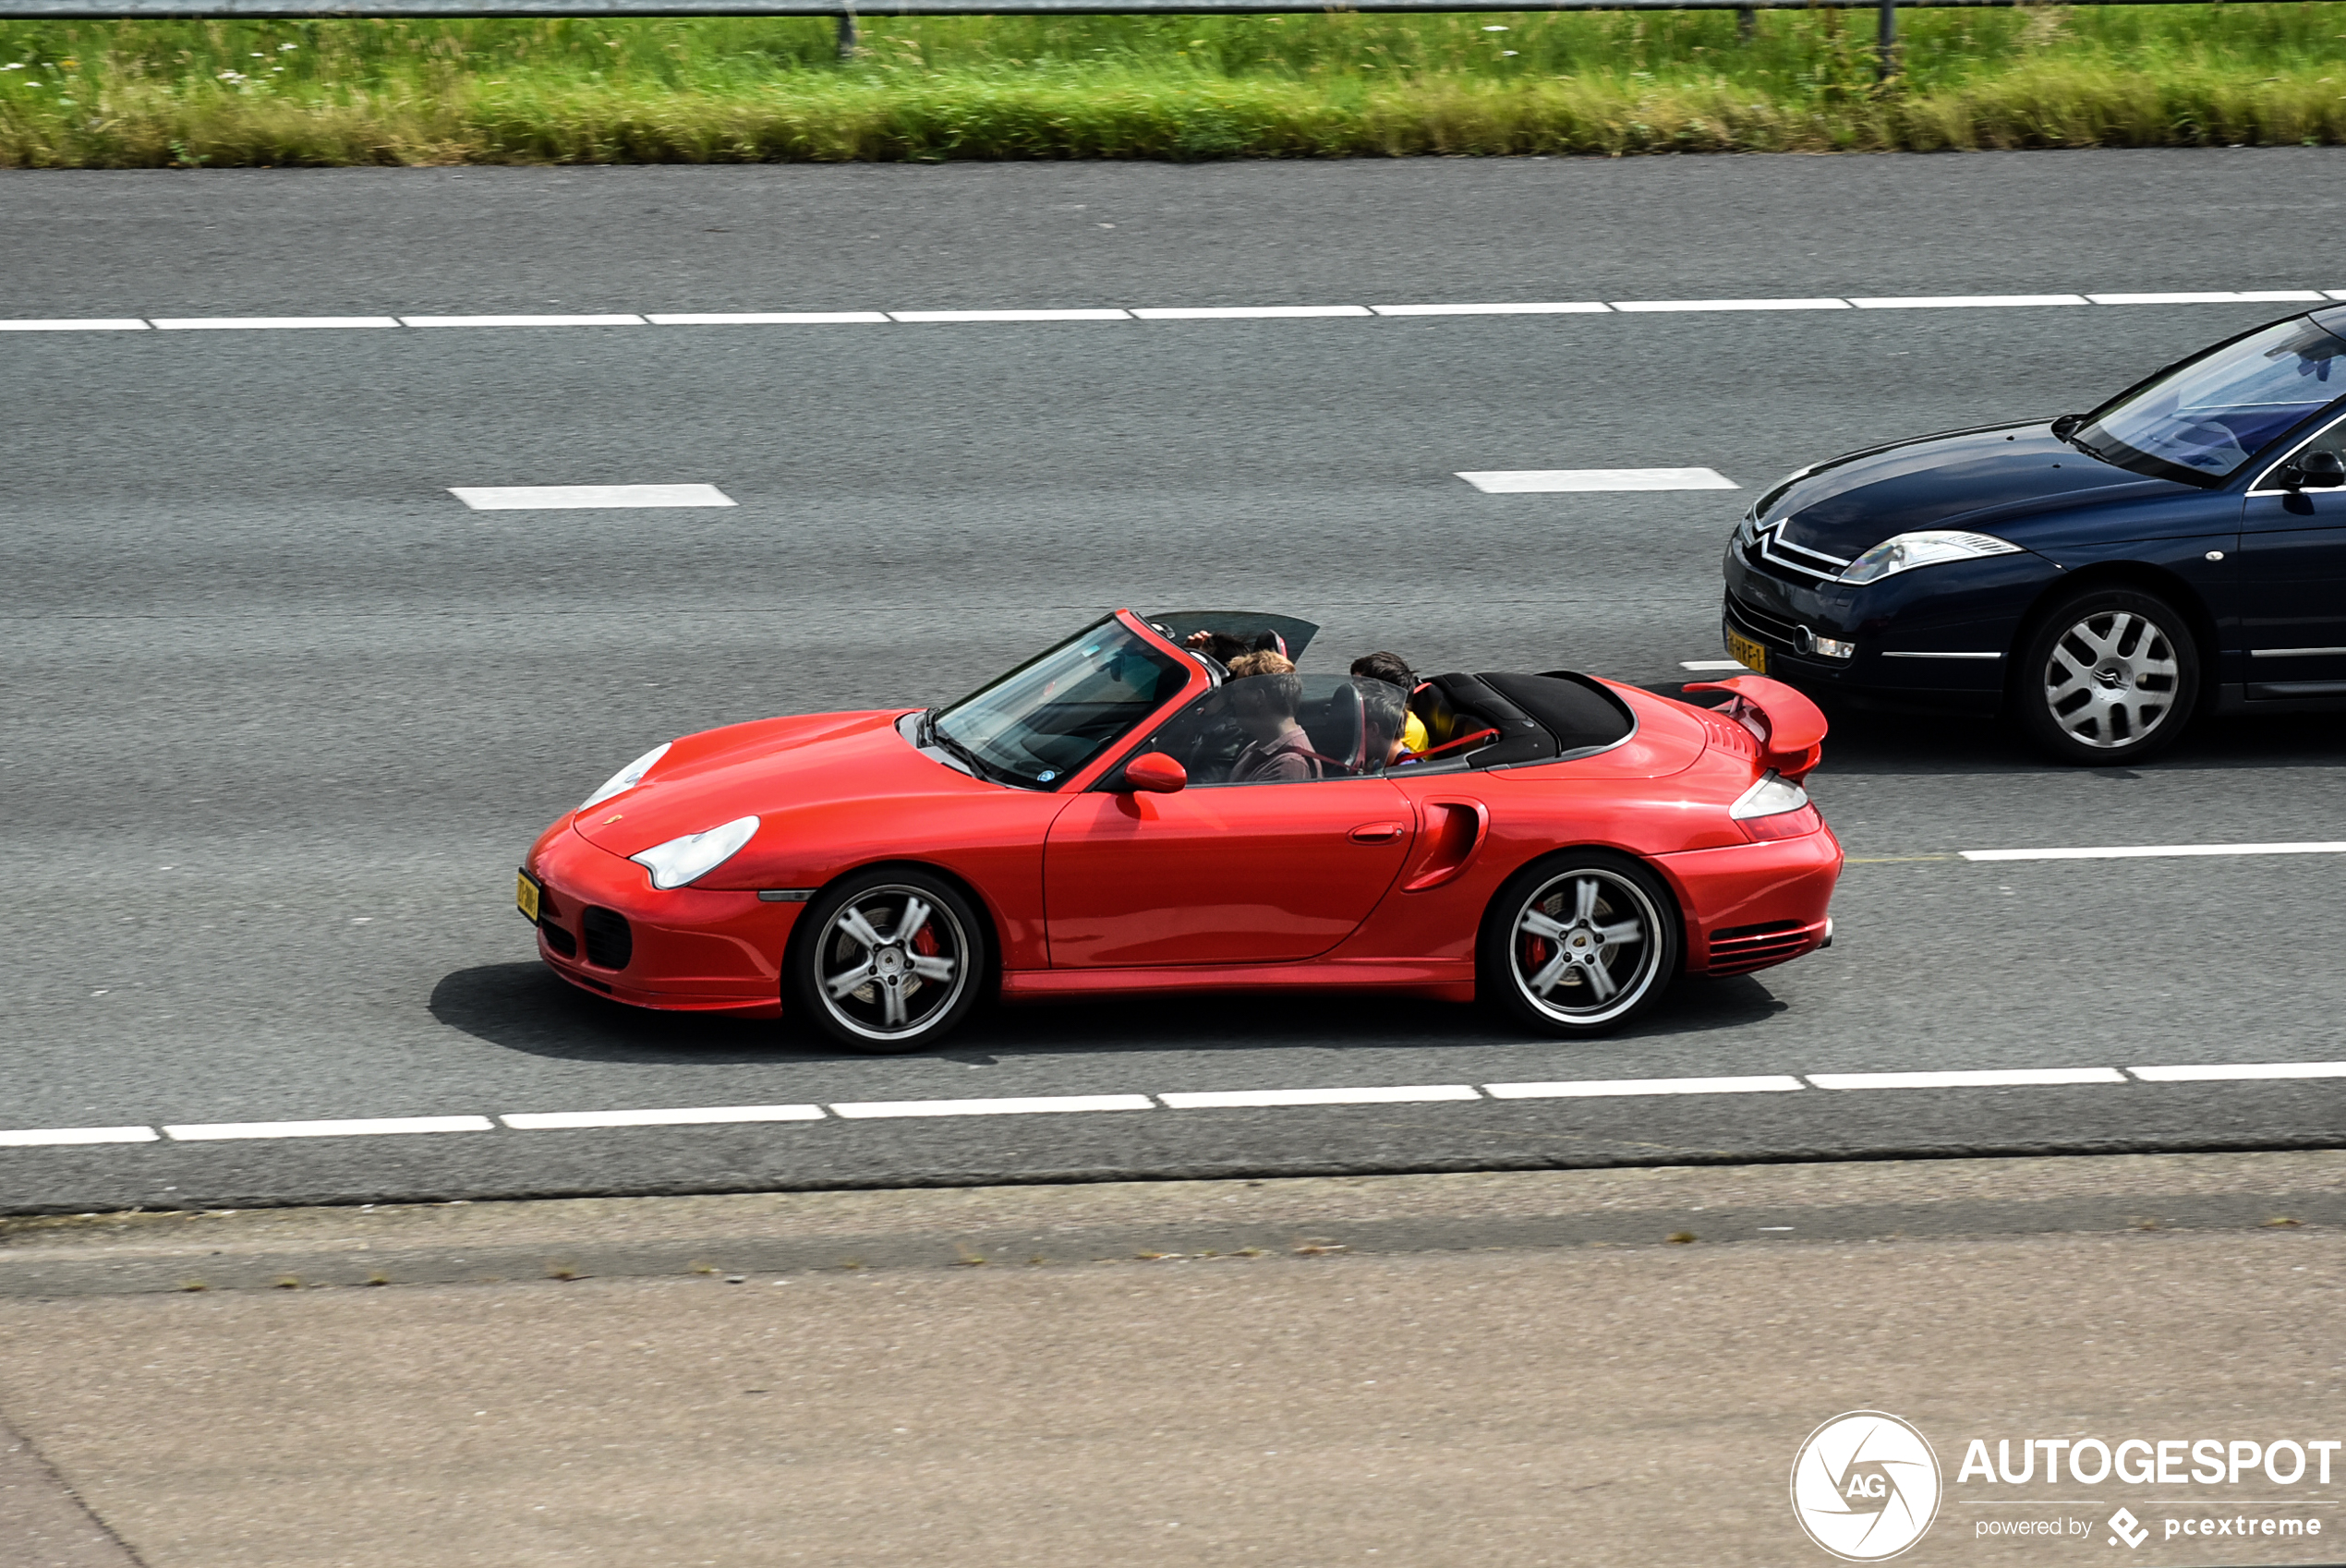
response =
{"points": [[887, 963], [1579, 943], [2108, 678]]}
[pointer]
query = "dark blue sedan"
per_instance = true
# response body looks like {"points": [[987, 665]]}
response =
{"points": [[2099, 578]]}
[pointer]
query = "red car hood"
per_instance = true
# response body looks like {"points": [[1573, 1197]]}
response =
{"points": [[764, 768]]}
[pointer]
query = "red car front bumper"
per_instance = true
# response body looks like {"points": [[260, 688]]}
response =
{"points": [[1750, 906], [605, 928]]}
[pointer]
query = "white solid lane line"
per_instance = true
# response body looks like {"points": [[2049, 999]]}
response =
{"points": [[1994, 1077], [1593, 1088], [2158, 851], [1708, 664], [1231, 1099], [1017, 1107], [1247, 312], [1963, 301], [1634, 307], [565, 498], [2239, 1072], [265, 324], [769, 319], [612, 320], [1557, 481], [369, 1127], [54, 1137], [84, 324], [1555, 307], [1010, 315], [705, 1116]]}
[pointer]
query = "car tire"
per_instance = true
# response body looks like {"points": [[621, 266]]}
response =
{"points": [[1579, 943], [2109, 677], [856, 975]]}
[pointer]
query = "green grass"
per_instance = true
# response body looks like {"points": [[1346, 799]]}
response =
{"points": [[145, 94]]}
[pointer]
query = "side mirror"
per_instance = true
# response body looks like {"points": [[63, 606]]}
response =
{"points": [[2321, 471], [1154, 773]]}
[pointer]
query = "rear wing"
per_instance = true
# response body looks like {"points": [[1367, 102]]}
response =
{"points": [[1789, 728]]}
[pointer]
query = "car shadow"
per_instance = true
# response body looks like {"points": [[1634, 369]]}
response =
{"points": [[525, 1007]]}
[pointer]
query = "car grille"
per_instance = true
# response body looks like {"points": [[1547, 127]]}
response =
{"points": [[1760, 624], [1739, 949], [609, 942], [561, 941]]}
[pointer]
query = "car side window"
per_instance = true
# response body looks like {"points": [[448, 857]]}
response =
{"points": [[1283, 728]]}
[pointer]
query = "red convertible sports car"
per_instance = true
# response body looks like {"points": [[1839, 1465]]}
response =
{"points": [[1120, 814]]}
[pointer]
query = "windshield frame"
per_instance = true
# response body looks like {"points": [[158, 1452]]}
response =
{"points": [[1187, 675], [2108, 448]]}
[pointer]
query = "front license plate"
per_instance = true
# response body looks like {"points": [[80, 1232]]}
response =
{"points": [[526, 896], [1747, 652]]}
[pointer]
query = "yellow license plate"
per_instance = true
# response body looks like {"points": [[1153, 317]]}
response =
{"points": [[526, 895], [1748, 652]]}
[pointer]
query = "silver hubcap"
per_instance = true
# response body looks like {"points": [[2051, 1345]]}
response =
{"points": [[1583, 949], [2112, 679], [891, 962]]}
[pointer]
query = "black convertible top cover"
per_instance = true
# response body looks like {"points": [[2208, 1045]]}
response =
{"points": [[1576, 710]]}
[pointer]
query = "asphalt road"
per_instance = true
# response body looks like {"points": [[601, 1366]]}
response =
{"points": [[283, 714]]}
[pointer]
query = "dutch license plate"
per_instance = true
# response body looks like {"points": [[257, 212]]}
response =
{"points": [[526, 896], [1747, 652]]}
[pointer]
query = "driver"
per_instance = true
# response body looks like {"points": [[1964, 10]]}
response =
{"points": [[1278, 751]]}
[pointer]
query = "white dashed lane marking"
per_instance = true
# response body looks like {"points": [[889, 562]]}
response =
{"points": [[1183, 312], [570, 498], [1240, 1098], [1558, 481], [2159, 851], [365, 1127]]}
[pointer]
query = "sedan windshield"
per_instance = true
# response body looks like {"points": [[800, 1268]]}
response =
{"points": [[2200, 422], [1042, 722]]}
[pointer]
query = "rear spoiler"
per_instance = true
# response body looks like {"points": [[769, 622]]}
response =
{"points": [[1789, 728]]}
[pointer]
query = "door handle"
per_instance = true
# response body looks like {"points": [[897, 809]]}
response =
{"points": [[1377, 832]]}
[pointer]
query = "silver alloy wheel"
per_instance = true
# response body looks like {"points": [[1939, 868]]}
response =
{"points": [[1584, 949], [892, 962], [2112, 679]]}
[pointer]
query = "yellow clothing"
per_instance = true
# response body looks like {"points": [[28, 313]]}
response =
{"points": [[1413, 734]]}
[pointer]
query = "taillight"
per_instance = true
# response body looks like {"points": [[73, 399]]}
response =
{"points": [[1783, 825], [1775, 808]]}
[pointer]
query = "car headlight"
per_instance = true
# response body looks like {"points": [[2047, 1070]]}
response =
{"points": [[627, 778], [1932, 546], [695, 854]]}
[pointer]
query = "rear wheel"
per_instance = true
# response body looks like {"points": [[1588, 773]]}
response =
{"points": [[1579, 943], [2108, 678], [887, 961]]}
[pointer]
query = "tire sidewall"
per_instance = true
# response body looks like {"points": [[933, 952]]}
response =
{"points": [[2036, 718], [804, 1006], [1494, 979]]}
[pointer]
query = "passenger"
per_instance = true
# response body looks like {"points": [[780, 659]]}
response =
{"points": [[1385, 709], [1222, 647], [1391, 668], [1259, 662], [1263, 701]]}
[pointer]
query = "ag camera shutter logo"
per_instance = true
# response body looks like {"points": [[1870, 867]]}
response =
{"points": [[1866, 1485]]}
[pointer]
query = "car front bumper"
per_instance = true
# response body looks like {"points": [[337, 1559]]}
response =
{"points": [[603, 927], [1937, 636]]}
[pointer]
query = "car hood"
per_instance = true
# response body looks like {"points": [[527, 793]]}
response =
{"points": [[1982, 479], [764, 768]]}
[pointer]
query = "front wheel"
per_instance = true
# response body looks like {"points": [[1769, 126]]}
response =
{"points": [[1579, 943], [887, 961], [2110, 677]]}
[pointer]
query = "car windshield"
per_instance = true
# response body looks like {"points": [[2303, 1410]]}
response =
{"points": [[1044, 721], [2200, 422]]}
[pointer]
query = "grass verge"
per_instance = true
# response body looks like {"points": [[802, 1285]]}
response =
{"points": [[151, 95]]}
